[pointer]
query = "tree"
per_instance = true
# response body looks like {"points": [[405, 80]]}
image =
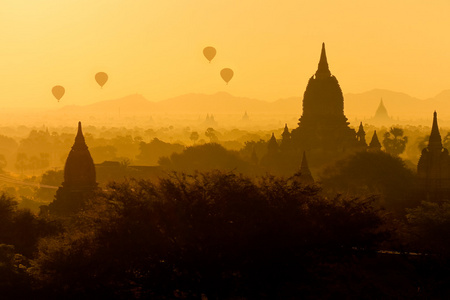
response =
{"points": [[368, 173], [217, 234], [194, 136], [23, 162], [206, 157], [250, 147], [149, 153], [394, 142], [445, 142], [211, 134], [49, 178], [20, 227], [15, 281], [423, 142], [430, 225]]}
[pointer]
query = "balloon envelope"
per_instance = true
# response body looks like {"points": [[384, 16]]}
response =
{"points": [[58, 91], [226, 74], [101, 78], [209, 53]]}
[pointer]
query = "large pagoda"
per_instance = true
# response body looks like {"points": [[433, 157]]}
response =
{"points": [[323, 124], [79, 179]]}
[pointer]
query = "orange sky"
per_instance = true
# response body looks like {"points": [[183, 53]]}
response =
{"points": [[154, 48]]}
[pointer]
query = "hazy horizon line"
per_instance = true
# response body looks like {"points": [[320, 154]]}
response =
{"points": [[61, 104]]}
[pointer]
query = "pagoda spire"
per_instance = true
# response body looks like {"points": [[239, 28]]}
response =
{"points": [[375, 144], [361, 135], [286, 133], [305, 174], [435, 141], [381, 113], [272, 145], [322, 70], [304, 168], [361, 129], [80, 143]]}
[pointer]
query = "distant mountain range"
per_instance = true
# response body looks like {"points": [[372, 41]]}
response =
{"points": [[362, 105], [398, 105], [218, 103]]}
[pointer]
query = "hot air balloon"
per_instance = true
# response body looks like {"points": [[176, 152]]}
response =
{"points": [[209, 53], [58, 91], [226, 74], [101, 78]]}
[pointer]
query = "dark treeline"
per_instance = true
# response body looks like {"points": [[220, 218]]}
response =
{"points": [[223, 236]]}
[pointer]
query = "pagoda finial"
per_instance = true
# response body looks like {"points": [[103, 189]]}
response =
{"points": [[79, 139], [323, 71], [435, 141]]}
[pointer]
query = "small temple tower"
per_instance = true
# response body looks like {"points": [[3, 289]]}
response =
{"points": [[381, 112], [285, 139], [245, 117], [375, 144], [286, 135], [433, 168], [304, 175], [272, 145], [381, 115], [323, 124], [79, 179], [361, 136]]}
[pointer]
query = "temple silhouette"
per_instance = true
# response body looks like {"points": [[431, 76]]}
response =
{"points": [[381, 116], [304, 174], [361, 136], [323, 124], [79, 179], [433, 168], [375, 144]]}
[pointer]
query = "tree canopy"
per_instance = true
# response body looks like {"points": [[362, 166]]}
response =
{"points": [[217, 234], [368, 173]]}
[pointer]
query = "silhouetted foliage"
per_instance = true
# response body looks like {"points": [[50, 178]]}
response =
{"points": [[15, 282], [23, 162], [367, 173], [194, 136], [206, 157], [430, 227], [394, 142], [151, 152], [20, 227], [212, 135], [51, 178], [259, 148], [217, 234], [445, 141]]}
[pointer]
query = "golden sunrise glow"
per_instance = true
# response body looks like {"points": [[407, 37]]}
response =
{"points": [[154, 48]]}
